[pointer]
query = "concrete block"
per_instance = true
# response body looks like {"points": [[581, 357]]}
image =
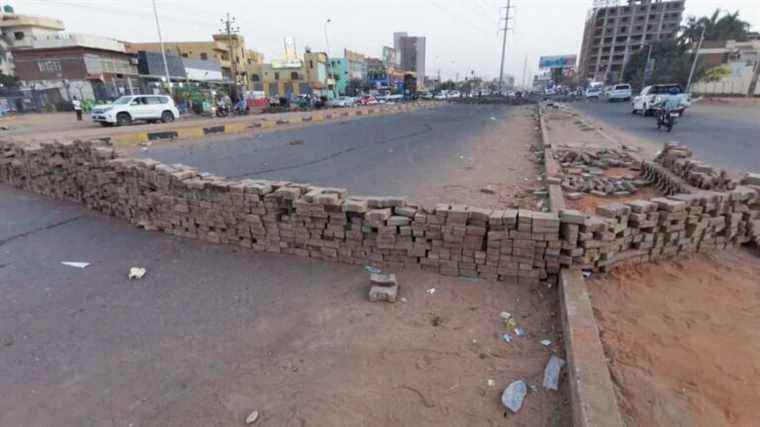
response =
{"points": [[383, 293]]}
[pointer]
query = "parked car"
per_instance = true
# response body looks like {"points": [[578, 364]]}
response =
{"points": [[621, 92], [367, 100], [454, 94], [128, 109], [593, 93], [426, 95], [341, 102], [656, 94], [442, 96]]}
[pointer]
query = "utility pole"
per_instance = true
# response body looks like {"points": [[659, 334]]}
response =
{"points": [[163, 50], [525, 72], [646, 66], [504, 45], [230, 28], [329, 65], [696, 56]]}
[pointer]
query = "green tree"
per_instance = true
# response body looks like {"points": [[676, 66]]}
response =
{"points": [[672, 64], [8, 81], [717, 28]]}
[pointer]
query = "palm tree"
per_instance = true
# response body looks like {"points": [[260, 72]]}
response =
{"points": [[717, 28]]}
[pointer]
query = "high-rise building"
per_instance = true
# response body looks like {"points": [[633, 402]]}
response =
{"points": [[615, 29], [410, 52]]}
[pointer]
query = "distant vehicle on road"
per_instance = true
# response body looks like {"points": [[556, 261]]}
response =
{"points": [[128, 109], [593, 93], [367, 100], [341, 102], [426, 95], [454, 94], [442, 96], [621, 92], [650, 96]]}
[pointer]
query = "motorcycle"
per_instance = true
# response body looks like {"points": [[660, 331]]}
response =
{"points": [[222, 111], [666, 119]]}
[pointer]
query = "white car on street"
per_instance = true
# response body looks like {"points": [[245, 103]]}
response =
{"points": [[593, 93], [653, 95], [127, 109], [621, 92], [341, 102]]}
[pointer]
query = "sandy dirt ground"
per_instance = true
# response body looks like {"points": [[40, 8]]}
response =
{"points": [[499, 160], [682, 339]]}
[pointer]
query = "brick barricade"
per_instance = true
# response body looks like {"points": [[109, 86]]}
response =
{"points": [[388, 232]]}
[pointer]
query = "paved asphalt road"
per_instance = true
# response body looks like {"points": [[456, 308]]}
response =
{"points": [[722, 135], [370, 156], [89, 347]]}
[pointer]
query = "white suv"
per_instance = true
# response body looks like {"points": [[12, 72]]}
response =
{"points": [[621, 92], [125, 110]]}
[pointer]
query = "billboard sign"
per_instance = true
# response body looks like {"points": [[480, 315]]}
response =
{"points": [[558, 61]]}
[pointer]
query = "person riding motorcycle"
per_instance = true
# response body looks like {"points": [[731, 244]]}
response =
{"points": [[665, 109]]}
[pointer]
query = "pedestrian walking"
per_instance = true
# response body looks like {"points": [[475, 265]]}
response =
{"points": [[77, 108]]}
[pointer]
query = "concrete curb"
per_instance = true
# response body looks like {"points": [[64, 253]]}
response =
{"points": [[551, 167], [592, 394], [200, 131]]}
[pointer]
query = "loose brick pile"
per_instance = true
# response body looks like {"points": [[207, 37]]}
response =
{"points": [[583, 172], [388, 232], [679, 160]]}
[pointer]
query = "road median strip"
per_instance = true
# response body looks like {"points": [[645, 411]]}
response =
{"points": [[200, 131]]}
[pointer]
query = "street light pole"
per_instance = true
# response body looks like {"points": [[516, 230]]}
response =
{"points": [[329, 66], [696, 56], [163, 50]]}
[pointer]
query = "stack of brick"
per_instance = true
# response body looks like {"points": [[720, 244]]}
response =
{"points": [[387, 232], [678, 159]]}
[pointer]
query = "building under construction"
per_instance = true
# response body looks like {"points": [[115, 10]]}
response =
{"points": [[615, 29]]}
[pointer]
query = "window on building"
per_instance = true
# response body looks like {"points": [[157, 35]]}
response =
{"points": [[277, 76], [255, 77], [204, 56], [184, 55], [294, 76], [311, 64], [19, 35]]}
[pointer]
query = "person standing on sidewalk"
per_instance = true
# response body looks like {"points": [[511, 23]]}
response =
{"points": [[77, 108]]}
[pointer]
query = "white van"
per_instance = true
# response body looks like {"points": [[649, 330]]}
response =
{"points": [[127, 109]]}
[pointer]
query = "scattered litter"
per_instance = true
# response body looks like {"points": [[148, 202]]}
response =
{"points": [[511, 323], [586, 273], [296, 142], [4, 127], [507, 338], [136, 273], [491, 383], [252, 418], [76, 264], [520, 332], [505, 315], [471, 279], [533, 388], [373, 270], [403, 299], [430, 291], [493, 118], [513, 395], [551, 373], [546, 343], [488, 189]]}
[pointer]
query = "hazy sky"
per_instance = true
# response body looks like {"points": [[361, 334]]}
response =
{"points": [[461, 34]]}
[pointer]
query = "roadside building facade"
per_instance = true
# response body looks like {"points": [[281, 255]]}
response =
{"points": [[411, 52], [88, 67], [292, 77], [19, 32], [741, 62], [615, 29], [339, 73], [217, 50]]}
